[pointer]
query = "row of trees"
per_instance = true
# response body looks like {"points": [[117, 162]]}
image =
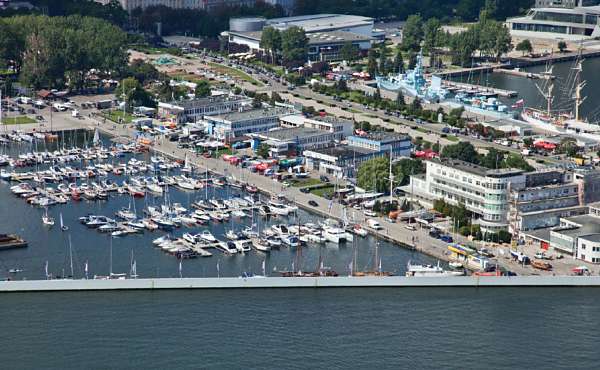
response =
{"points": [[195, 21], [291, 44], [60, 51], [494, 159], [446, 10]]}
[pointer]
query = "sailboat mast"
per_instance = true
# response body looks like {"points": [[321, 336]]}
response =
{"points": [[391, 176], [578, 89], [71, 256]]}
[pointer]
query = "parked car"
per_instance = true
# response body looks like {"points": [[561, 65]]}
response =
{"points": [[324, 178], [446, 238], [313, 203], [305, 190]]}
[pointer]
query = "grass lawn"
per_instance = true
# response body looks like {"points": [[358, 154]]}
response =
{"points": [[452, 138], [19, 120], [115, 115], [322, 191], [234, 73], [421, 129], [304, 182]]}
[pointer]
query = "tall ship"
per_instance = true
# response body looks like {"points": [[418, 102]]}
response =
{"points": [[561, 122], [414, 83]]}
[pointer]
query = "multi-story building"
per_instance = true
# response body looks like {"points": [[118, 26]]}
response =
{"points": [[569, 4], [194, 110], [236, 124], [344, 160], [546, 198], [341, 128], [383, 142], [483, 191], [569, 23]]}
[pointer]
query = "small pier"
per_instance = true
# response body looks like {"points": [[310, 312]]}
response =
{"points": [[519, 73], [480, 89]]}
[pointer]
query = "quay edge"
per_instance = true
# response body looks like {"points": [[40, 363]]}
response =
{"points": [[298, 282]]}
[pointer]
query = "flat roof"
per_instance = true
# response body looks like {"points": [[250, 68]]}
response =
{"points": [[477, 169], [316, 22], [331, 37], [290, 134], [251, 114], [343, 151], [383, 136], [583, 219], [591, 238], [314, 38], [540, 234]]}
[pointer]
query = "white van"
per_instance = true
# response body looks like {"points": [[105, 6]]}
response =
{"points": [[374, 224]]}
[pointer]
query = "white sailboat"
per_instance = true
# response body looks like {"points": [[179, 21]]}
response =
{"points": [[96, 139], [63, 227], [47, 220]]}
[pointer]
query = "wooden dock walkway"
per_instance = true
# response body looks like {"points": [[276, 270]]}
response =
{"points": [[483, 89]]}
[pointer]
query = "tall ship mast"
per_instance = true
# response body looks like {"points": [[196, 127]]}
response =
{"points": [[555, 120]]}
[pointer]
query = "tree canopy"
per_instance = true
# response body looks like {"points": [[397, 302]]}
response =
{"points": [[60, 51]]}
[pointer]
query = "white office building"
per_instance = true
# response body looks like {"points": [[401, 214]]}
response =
{"points": [[581, 22], [484, 192]]}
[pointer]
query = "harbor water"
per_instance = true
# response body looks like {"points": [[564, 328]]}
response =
{"points": [[563, 89], [297, 329]]}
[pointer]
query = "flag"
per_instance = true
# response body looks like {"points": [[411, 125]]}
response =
{"points": [[264, 267], [350, 268], [330, 205], [218, 270], [380, 265], [46, 269], [180, 267], [85, 268]]}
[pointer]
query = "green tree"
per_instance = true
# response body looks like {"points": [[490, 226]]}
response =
{"points": [[271, 41], [463, 151], [398, 62], [528, 142], [372, 63], [562, 46], [383, 59], [432, 33], [493, 159], [349, 52], [400, 101], [516, 161], [373, 175], [524, 47], [412, 33], [263, 151], [202, 89], [294, 45]]}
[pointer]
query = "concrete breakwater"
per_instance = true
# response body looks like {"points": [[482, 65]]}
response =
{"points": [[299, 282]]}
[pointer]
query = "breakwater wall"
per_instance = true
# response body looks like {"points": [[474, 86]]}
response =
{"points": [[301, 282]]}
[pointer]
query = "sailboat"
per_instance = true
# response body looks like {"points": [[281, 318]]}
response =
{"points": [[133, 272], [187, 167], [377, 270], [96, 139], [47, 220], [63, 227]]}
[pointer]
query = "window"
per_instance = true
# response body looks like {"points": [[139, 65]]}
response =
{"points": [[583, 246]]}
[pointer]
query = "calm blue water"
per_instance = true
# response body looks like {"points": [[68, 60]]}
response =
{"points": [[299, 329]]}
